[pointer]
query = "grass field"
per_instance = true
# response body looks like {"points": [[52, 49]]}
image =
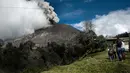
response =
{"points": [[94, 63]]}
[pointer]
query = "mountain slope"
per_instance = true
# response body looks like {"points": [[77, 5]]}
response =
{"points": [[56, 33]]}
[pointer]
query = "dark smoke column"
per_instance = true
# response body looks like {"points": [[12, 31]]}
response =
{"points": [[49, 11]]}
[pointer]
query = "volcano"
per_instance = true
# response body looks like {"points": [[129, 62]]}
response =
{"points": [[60, 33]]}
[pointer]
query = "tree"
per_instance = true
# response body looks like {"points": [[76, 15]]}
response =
{"points": [[88, 26], [1, 43]]}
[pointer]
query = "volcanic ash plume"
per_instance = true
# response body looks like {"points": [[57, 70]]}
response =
{"points": [[21, 17]]}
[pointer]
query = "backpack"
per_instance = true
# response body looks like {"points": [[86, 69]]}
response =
{"points": [[119, 43]]}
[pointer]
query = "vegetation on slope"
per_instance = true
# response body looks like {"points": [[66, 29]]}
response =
{"points": [[29, 56], [95, 63]]}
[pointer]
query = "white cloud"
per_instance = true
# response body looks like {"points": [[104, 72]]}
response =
{"points": [[79, 26], [21, 17], [113, 23]]}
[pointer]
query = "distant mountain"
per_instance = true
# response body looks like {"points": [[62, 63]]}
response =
{"points": [[60, 33]]}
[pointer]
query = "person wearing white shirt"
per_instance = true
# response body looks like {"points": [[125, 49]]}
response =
{"points": [[123, 50]]}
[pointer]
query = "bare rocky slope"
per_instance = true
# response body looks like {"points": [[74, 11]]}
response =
{"points": [[60, 33]]}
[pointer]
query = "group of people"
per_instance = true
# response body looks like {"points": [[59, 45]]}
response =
{"points": [[117, 50]]}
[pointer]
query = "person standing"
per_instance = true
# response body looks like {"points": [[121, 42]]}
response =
{"points": [[123, 50], [119, 48], [114, 48], [129, 45]]}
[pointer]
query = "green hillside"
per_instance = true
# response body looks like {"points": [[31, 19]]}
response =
{"points": [[95, 63]]}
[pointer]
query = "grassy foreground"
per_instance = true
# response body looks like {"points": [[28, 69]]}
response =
{"points": [[95, 63]]}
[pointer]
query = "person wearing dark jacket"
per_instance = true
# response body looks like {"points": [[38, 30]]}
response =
{"points": [[119, 49]]}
